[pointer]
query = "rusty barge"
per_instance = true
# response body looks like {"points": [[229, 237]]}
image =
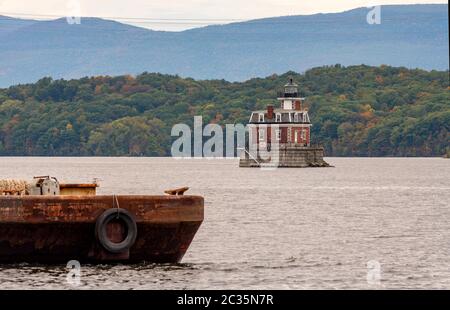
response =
{"points": [[48, 222]]}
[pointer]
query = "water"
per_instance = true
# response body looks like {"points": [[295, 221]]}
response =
{"points": [[313, 228]]}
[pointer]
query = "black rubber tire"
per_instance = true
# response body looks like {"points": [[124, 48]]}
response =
{"points": [[102, 237]]}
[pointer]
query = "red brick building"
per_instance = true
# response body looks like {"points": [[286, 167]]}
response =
{"points": [[288, 123], [280, 136]]}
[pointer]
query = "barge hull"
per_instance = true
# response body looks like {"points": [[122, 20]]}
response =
{"points": [[57, 229]]}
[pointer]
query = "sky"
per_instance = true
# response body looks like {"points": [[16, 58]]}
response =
{"points": [[176, 15]]}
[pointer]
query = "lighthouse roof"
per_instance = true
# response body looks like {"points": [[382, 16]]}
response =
{"points": [[291, 83], [280, 116]]}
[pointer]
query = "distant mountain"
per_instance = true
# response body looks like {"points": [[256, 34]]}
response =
{"points": [[9, 24], [409, 35]]}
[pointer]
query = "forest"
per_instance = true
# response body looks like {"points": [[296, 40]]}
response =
{"points": [[355, 110]]}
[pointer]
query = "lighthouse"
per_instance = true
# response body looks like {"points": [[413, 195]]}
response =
{"points": [[282, 132]]}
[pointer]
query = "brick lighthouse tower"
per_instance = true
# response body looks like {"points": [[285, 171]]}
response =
{"points": [[282, 133]]}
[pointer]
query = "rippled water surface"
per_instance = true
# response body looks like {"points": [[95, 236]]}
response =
{"points": [[282, 229]]}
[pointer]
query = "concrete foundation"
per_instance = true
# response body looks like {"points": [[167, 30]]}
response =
{"points": [[284, 156]]}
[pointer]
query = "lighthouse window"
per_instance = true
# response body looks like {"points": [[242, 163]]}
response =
{"points": [[278, 134], [261, 117], [303, 134], [261, 134], [278, 117], [296, 117]]}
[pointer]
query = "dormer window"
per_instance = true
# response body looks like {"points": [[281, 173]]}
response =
{"points": [[278, 118], [305, 118], [261, 117]]}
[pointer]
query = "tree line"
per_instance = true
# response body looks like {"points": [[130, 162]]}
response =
{"points": [[355, 111]]}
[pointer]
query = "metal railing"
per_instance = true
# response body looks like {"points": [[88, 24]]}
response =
{"points": [[287, 95]]}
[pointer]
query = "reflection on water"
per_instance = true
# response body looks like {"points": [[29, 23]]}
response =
{"points": [[286, 228]]}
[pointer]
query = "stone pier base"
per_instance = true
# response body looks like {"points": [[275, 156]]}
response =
{"points": [[284, 156]]}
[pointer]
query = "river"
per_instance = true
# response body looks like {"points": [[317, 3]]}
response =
{"points": [[367, 223]]}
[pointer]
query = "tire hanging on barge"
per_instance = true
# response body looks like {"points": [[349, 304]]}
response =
{"points": [[101, 230]]}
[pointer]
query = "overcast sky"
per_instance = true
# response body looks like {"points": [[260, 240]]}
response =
{"points": [[183, 14]]}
